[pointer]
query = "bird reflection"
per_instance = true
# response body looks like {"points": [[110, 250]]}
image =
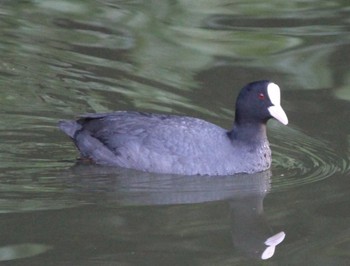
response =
{"points": [[251, 233]]}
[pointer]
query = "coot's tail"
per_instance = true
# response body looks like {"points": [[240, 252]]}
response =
{"points": [[70, 127]]}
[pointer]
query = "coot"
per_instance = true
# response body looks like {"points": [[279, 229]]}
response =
{"points": [[173, 144]]}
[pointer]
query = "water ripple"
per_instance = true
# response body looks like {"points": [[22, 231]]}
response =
{"points": [[299, 159]]}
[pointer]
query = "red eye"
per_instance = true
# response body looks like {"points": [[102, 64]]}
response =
{"points": [[261, 96]]}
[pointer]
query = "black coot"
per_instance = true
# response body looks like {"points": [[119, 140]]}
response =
{"points": [[183, 145]]}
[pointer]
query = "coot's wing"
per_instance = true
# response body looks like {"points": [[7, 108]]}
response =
{"points": [[163, 134], [151, 142]]}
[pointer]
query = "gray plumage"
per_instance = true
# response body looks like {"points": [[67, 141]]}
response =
{"points": [[172, 144]]}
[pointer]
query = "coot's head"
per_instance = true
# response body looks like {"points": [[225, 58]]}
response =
{"points": [[258, 102]]}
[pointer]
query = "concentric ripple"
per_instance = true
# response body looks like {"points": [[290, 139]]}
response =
{"points": [[300, 159]]}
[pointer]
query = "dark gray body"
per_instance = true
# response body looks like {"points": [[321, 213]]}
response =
{"points": [[167, 144]]}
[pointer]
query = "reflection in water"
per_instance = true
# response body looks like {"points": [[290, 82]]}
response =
{"points": [[250, 231], [271, 244], [244, 194], [20, 251], [139, 212]]}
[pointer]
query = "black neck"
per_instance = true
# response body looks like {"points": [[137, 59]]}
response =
{"points": [[248, 132]]}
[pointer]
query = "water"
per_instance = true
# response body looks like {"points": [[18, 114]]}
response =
{"points": [[61, 59]]}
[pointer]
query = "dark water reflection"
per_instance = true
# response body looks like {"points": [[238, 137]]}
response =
{"points": [[125, 214], [59, 59]]}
